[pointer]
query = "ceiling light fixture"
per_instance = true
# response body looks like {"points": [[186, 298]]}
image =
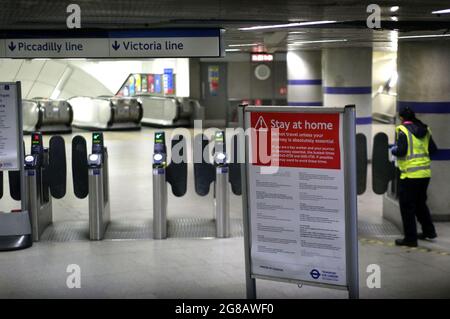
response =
{"points": [[318, 41], [424, 36], [243, 45], [232, 50], [287, 25], [441, 11], [394, 8]]}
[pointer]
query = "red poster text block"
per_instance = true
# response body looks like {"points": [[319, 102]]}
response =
{"points": [[296, 140]]}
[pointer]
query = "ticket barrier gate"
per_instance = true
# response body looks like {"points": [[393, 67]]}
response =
{"points": [[361, 163], [91, 178], [221, 172], [175, 174], [45, 171], [383, 169]]}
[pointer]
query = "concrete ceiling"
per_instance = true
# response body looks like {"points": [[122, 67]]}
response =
{"points": [[414, 17]]}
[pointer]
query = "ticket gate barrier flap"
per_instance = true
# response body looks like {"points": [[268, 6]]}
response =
{"points": [[14, 185], [235, 169], [176, 173], [80, 168], [57, 167], [394, 184], [382, 168], [1, 184], [204, 172], [235, 178], [361, 163]]}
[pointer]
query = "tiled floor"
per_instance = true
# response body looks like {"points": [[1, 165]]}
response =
{"points": [[195, 267]]}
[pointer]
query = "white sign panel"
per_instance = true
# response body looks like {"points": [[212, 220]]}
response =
{"points": [[297, 214], [115, 44], [9, 129], [57, 48], [167, 47]]}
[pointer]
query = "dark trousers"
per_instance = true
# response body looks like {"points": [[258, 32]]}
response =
{"points": [[412, 199]]}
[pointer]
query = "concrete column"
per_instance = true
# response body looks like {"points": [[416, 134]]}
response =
{"points": [[304, 73], [424, 85], [347, 74]]}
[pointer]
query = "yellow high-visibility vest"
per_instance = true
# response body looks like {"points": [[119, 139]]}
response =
{"points": [[416, 162]]}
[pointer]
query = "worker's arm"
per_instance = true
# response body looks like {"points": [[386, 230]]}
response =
{"points": [[401, 146], [432, 148]]}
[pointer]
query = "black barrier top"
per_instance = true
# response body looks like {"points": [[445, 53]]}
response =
{"points": [[204, 172], [57, 168], [176, 172]]}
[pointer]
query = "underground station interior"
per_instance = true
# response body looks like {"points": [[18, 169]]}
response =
{"points": [[225, 149]]}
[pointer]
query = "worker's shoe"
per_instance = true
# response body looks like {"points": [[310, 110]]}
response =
{"points": [[403, 242], [424, 236]]}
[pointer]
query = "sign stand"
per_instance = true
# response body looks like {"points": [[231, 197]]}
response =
{"points": [[315, 242], [15, 227]]}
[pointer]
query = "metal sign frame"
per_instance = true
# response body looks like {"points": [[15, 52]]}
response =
{"points": [[18, 224], [20, 146], [350, 190], [16, 111]]}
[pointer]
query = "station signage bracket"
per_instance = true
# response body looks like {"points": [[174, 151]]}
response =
{"points": [[300, 202]]}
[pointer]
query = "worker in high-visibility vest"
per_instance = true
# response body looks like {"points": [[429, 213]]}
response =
{"points": [[413, 146]]}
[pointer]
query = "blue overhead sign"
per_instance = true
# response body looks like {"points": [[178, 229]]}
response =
{"points": [[112, 44]]}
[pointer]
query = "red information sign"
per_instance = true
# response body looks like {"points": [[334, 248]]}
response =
{"points": [[296, 140]]}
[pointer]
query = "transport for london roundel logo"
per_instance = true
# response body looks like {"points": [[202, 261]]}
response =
{"points": [[315, 274]]}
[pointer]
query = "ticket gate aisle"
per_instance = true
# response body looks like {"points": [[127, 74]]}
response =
{"points": [[91, 178], [175, 174], [222, 171], [45, 171]]}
